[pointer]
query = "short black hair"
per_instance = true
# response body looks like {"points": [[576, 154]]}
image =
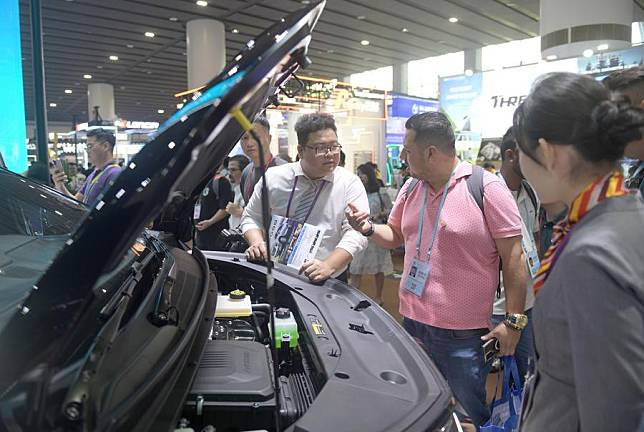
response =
{"points": [[310, 123], [103, 136], [508, 142], [260, 119], [435, 128], [570, 109], [243, 161], [343, 158], [627, 81], [624, 79]]}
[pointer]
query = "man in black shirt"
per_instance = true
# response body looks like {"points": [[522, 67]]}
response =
{"points": [[630, 83], [210, 212], [251, 174]]}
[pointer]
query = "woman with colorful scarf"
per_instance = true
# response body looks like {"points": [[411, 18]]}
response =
{"points": [[589, 311]]}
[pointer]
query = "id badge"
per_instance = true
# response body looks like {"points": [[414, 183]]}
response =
{"points": [[530, 252], [532, 259], [417, 277], [197, 212]]}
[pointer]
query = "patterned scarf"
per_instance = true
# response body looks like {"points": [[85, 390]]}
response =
{"points": [[611, 185]]}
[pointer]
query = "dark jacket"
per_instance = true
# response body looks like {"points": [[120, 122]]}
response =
{"points": [[589, 327]]}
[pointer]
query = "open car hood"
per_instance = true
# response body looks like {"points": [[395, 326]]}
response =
{"points": [[174, 165]]}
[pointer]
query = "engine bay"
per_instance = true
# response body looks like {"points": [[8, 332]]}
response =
{"points": [[334, 361], [234, 389]]}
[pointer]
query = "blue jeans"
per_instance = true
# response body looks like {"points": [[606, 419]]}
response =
{"points": [[459, 357], [525, 347]]}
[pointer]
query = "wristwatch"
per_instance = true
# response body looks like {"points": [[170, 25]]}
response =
{"points": [[516, 321], [371, 229]]}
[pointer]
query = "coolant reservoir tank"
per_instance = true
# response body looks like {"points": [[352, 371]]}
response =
{"points": [[285, 328], [236, 304]]}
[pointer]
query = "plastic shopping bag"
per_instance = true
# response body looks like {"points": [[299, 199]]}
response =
{"points": [[506, 409]]}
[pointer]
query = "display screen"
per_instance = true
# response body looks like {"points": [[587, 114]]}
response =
{"points": [[12, 110]]}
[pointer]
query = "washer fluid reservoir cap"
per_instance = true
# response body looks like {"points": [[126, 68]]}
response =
{"points": [[282, 313], [237, 295]]}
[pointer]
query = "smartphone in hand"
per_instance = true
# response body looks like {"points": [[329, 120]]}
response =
{"points": [[490, 350]]}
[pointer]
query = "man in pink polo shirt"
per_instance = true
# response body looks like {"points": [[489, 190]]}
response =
{"points": [[451, 269]]}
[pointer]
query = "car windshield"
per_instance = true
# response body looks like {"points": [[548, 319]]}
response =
{"points": [[35, 223]]}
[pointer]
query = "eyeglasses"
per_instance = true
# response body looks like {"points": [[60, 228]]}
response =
{"points": [[322, 150], [233, 169]]}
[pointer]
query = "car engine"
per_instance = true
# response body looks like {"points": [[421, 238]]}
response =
{"points": [[234, 386]]}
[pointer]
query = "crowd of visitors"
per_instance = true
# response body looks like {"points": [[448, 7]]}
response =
{"points": [[544, 255]]}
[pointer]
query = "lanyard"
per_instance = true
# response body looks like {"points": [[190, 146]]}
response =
{"points": [[317, 195], [95, 180], [422, 219], [252, 181]]}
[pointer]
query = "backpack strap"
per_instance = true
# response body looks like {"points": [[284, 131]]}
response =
{"points": [[412, 185], [531, 194], [475, 186]]}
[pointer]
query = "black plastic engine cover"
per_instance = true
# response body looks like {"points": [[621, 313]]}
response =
{"points": [[234, 371]]}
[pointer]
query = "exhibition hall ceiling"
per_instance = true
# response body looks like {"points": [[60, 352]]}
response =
{"points": [[107, 40]]}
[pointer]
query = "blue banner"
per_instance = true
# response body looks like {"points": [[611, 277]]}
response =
{"points": [[457, 96], [606, 62], [407, 106], [13, 144]]}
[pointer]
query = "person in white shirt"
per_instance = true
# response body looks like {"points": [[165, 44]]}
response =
{"points": [[235, 208], [528, 204], [314, 190]]}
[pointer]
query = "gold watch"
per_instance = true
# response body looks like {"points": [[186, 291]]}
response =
{"points": [[516, 321]]}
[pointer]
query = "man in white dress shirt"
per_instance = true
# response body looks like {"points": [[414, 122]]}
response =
{"points": [[316, 191]]}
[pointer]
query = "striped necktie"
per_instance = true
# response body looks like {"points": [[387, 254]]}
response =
{"points": [[307, 198]]}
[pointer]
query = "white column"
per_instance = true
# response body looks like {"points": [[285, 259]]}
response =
{"points": [[206, 50], [568, 28], [401, 78], [473, 60], [101, 95]]}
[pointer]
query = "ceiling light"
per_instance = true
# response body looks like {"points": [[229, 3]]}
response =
{"points": [[99, 67], [602, 47], [453, 20], [202, 3], [173, 19], [161, 111], [87, 76], [405, 30], [364, 42], [149, 34], [551, 57], [114, 58], [68, 91], [179, 105], [305, 2], [469, 72], [129, 46], [588, 53], [53, 105], [235, 31], [330, 51], [361, 17]]}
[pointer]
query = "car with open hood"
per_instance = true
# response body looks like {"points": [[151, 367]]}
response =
{"points": [[108, 326]]}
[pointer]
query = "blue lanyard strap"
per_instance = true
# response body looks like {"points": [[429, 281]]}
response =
{"points": [[436, 220]]}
